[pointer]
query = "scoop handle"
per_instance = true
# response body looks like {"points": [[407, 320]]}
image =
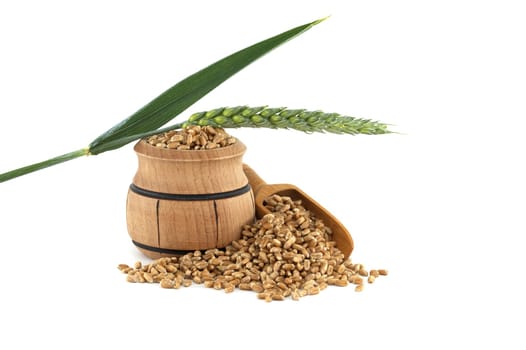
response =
{"points": [[254, 180]]}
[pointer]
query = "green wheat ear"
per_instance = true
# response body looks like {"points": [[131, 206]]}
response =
{"points": [[283, 118]]}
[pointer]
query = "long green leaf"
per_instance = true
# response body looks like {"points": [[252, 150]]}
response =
{"points": [[41, 165], [188, 91], [169, 104]]}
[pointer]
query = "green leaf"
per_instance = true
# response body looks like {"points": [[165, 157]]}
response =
{"points": [[41, 165], [188, 91]]}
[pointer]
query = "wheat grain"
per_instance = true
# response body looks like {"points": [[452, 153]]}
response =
{"points": [[287, 253]]}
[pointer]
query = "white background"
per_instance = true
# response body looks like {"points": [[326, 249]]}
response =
{"points": [[441, 205]]}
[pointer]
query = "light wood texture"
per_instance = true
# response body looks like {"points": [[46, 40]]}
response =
{"points": [[187, 225], [262, 190], [190, 172], [231, 212], [139, 213], [183, 224]]}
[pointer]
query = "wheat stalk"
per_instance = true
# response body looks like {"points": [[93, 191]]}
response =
{"points": [[170, 103]]}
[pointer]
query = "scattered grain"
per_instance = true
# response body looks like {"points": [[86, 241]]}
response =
{"points": [[288, 252], [167, 283]]}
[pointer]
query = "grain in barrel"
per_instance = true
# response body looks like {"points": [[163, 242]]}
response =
{"points": [[195, 197]]}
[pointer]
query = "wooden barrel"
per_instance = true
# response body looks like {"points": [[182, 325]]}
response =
{"points": [[185, 200]]}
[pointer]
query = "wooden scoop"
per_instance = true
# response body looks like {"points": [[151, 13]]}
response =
{"points": [[262, 190]]}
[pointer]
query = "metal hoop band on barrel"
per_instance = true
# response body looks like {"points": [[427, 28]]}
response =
{"points": [[189, 197]]}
